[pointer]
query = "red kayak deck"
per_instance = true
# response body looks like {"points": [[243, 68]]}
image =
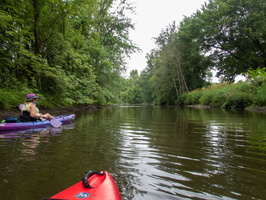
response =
{"points": [[95, 186]]}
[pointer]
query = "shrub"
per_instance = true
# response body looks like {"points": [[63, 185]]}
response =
{"points": [[257, 77], [237, 101], [206, 98], [181, 99], [195, 96], [218, 98], [260, 98], [11, 98]]}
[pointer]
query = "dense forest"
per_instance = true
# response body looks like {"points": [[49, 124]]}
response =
{"points": [[70, 52], [74, 51]]}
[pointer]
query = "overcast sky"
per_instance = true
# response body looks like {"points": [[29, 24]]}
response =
{"points": [[152, 16]]}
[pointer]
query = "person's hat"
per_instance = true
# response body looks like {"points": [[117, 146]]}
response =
{"points": [[31, 97]]}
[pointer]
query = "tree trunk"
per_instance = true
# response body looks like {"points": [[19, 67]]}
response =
{"points": [[36, 26], [37, 37]]}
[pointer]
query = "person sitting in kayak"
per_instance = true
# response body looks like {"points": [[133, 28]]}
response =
{"points": [[29, 111]]}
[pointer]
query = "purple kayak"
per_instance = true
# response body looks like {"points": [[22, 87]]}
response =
{"points": [[26, 125]]}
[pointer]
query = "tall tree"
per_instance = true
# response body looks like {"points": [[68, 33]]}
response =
{"points": [[233, 33], [178, 65], [195, 64]]}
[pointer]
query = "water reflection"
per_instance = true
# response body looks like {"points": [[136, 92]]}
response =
{"points": [[152, 152], [179, 155], [30, 139]]}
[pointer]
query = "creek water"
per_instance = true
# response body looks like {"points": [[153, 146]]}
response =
{"points": [[151, 152]]}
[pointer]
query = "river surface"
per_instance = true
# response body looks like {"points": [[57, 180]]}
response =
{"points": [[151, 152]]}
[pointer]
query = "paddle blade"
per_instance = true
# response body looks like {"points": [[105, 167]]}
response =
{"points": [[55, 123]]}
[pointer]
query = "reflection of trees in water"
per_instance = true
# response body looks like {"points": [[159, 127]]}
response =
{"points": [[31, 138], [226, 136], [150, 152], [145, 132], [199, 149]]}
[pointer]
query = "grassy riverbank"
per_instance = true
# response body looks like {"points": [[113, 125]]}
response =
{"points": [[240, 95], [250, 95]]}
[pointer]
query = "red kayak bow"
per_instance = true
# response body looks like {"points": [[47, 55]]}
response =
{"points": [[94, 186]]}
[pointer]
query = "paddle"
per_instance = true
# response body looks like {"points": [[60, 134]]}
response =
{"points": [[54, 122]]}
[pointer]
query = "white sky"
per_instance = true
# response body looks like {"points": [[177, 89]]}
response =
{"points": [[152, 16]]}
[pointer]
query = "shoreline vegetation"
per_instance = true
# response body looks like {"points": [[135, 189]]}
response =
{"points": [[54, 111], [69, 110], [249, 95], [80, 61]]}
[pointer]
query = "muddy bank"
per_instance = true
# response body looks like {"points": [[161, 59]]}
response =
{"points": [[253, 109], [201, 106], [257, 109], [53, 111]]}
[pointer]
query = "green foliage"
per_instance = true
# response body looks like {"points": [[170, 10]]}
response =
{"points": [[12, 98], [225, 35], [206, 98], [192, 98], [132, 92], [145, 85], [70, 52], [260, 98], [257, 76], [177, 65], [218, 97], [237, 101], [73, 52], [228, 96], [233, 33]]}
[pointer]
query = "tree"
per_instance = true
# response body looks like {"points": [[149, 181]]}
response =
{"points": [[134, 94], [196, 65], [134, 74], [132, 90], [111, 44], [226, 35], [177, 64], [71, 50], [233, 34]]}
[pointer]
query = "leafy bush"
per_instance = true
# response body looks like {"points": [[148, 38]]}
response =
{"points": [[257, 77], [237, 101], [228, 96], [218, 97], [181, 99], [9, 99], [194, 97], [260, 98], [257, 80], [206, 98]]}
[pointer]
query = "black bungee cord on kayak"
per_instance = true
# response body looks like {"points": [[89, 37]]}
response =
{"points": [[88, 175]]}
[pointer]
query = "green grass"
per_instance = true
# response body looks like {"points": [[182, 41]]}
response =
{"points": [[228, 96]]}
